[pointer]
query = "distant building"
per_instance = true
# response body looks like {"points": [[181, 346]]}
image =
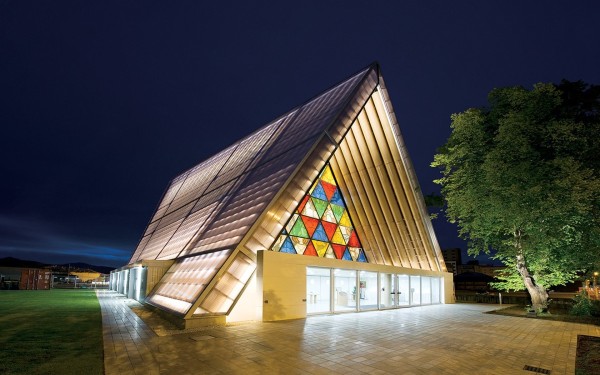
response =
{"points": [[486, 269], [452, 255], [453, 259], [452, 267], [473, 281], [35, 278]]}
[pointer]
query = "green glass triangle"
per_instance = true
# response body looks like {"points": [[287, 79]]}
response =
{"points": [[338, 211], [299, 230], [320, 206]]}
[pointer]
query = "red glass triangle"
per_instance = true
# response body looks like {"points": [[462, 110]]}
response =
{"points": [[310, 224], [303, 203], [338, 250], [310, 250], [329, 189], [353, 240], [329, 229]]}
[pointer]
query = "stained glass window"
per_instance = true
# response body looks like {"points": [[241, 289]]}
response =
{"points": [[321, 225]]}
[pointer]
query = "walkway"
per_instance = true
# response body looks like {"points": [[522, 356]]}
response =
{"points": [[439, 339], [127, 338]]}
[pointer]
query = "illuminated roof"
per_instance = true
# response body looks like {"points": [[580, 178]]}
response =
{"points": [[213, 218]]}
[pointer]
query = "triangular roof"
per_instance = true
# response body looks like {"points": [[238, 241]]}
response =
{"points": [[214, 217]]}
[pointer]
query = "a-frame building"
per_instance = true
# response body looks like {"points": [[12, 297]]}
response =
{"points": [[319, 211]]}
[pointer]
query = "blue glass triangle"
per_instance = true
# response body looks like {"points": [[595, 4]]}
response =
{"points": [[319, 192], [284, 231], [287, 247], [347, 255], [362, 257], [337, 198], [320, 234]]}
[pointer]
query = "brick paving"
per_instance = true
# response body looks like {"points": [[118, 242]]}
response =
{"points": [[438, 339]]}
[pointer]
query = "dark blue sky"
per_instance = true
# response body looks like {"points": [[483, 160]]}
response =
{"points": [[102, 103]]}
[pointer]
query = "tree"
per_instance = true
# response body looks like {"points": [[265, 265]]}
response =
{"points": [[521, 179]]}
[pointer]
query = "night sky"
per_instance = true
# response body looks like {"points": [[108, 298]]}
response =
{"points": [[102, 103]]}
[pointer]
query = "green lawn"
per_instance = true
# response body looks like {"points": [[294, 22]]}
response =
{"points": [[50, 332]]}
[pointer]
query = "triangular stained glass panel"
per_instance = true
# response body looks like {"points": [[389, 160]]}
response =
{"points": [[338, 250], [347, 255], [318, 192], [338, 211], [302, 204], [320, 247], [300, 244], [328, 215], [320, 234], [329, 229], [329, 253], [327, 175], [354, 252], [291, 223], [338, 238], [345, 219], [346, 232], [362, 257], [278, 242], [320, 206], [288, 247], [299, 230], [329, 189], [353, 240], [310, 224], [310, 250], [337, 198], [309, 210], [313, 186]]}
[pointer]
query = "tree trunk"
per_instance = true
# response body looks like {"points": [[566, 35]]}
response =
{"points": [[539, 295]]}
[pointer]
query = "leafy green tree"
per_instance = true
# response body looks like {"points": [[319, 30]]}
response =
{"points": [[521, 179]]}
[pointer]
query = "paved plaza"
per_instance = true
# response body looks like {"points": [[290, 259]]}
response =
{"points": [[438, 339]]}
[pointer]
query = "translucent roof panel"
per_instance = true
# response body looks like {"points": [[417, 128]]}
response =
{"points": [[185, 280]]}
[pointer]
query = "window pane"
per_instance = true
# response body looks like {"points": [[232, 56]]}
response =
{"points": [[368, 290], [345, 293], [435, 290], [425, 289], [403, 290], [415, 290], [318, 289]]}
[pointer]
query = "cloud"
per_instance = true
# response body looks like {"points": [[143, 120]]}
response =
{"points": [[33, 239]]}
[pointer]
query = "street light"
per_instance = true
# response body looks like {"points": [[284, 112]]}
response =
{"points": [[595, 279]]}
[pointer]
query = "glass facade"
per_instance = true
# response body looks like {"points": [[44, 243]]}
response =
{"points": [[366, 290], [321, 225]]}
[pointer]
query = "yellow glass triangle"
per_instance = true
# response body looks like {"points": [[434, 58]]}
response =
{"points": [[327, 176], [337, 237], [345, 220], [320, 246]]}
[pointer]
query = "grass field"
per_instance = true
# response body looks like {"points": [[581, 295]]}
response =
{"points": [[50, 332]]}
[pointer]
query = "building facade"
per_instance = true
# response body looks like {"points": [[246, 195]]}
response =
{"points": [[319, 211]]}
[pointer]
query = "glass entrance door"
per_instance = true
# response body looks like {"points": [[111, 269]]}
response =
{"points": [[387, 291]]}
